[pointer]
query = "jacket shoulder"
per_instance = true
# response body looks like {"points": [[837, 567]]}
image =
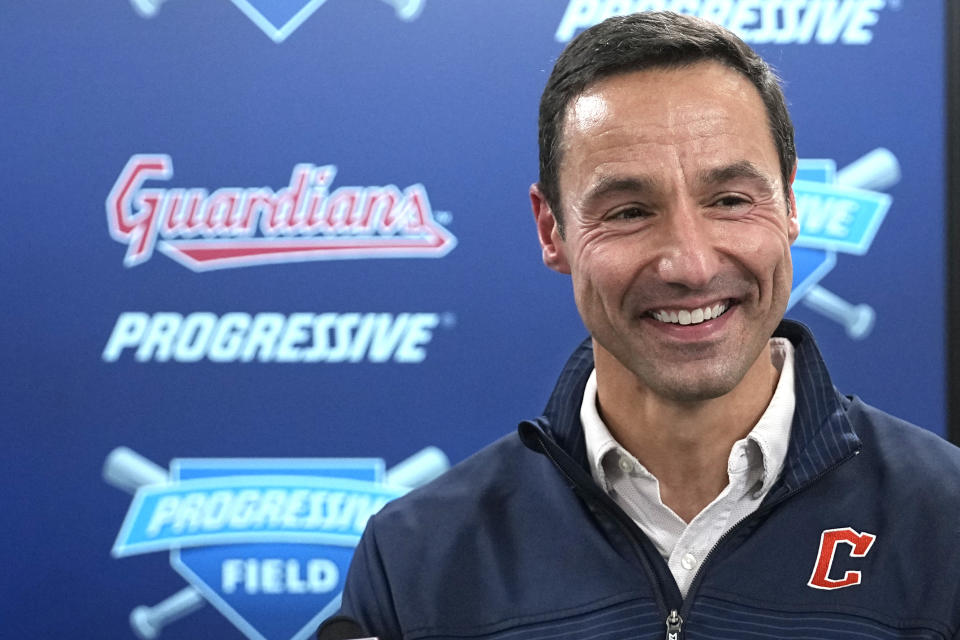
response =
{"points": [[455, 556], [912, 467], [902, 446], [482, 480]]}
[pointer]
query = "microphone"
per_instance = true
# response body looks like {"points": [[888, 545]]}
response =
{"points": [[341, 628]]}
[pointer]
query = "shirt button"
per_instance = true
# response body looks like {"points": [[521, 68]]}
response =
{"points": [[625, 465], [688, 561]]}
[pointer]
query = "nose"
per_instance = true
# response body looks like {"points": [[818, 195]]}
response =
{"points": [[688, 254]]}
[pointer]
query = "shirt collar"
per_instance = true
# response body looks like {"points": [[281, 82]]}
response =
{"points": [[595, 432], [771, 434], [772, 431]]}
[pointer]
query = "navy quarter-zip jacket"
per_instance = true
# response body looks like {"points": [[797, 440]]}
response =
{"points": [[859, 538]]}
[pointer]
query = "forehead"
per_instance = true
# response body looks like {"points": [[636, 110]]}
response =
{"points": [[695, 112]]}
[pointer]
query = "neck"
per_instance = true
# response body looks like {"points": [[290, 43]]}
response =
{"points": [[685, 444]]}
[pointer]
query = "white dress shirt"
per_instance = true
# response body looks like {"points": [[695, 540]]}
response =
{"points": [[754, 464]]}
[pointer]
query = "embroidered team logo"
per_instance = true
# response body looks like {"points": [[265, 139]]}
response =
{"points": [[267, 542], [840, 212], [237, 227], [279, 19], [860, 545]]}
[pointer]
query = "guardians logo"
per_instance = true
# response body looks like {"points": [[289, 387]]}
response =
{"points": [[265, 541], [278, 19], [237, 227]]}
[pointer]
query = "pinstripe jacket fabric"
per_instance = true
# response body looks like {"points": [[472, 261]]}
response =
{"points": [[859, 538]]}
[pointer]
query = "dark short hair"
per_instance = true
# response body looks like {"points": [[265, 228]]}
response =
{"points": [[643, 41]]}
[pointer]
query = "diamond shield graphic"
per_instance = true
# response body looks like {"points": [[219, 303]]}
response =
{"points": [[811, 265], [278, 18], [265, 541], [836, 215]]}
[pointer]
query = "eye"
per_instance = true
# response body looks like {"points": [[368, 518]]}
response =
{"points": [[732, 201], [628, 213]]}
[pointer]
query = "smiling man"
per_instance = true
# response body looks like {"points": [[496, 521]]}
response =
{"points": [[672, 217], [695, 471]]}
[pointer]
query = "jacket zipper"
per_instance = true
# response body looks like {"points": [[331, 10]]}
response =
{"points": [[674, 626], [674, 617], [673, 620], [633, 534], [688, 601]]}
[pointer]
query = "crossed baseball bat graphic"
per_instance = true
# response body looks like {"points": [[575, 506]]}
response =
{"points": [[127, 470]]}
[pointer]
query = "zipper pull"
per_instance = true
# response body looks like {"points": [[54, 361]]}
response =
{"points": [[674, 622]]}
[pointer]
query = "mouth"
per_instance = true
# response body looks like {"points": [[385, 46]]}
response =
{"points": [[693, 316]]}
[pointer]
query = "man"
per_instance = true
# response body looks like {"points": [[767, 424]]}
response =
{"points": [[695, 472]]}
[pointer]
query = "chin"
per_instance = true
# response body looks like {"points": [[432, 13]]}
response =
{"points": [[702, 394], [699, 387], [698, 391]]}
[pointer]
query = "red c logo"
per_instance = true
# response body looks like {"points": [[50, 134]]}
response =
{"points": [[829, 539]]}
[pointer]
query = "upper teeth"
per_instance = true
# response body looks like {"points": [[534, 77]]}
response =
{"points": [[694, 316]]}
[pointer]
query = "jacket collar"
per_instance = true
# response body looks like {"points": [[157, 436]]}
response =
{"points": [[821, 435]]}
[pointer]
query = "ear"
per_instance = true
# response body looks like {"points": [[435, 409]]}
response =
{"points": [[551, 242], [793, 221]]}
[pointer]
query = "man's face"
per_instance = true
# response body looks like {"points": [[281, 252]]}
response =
{"points": [[677, 230]]}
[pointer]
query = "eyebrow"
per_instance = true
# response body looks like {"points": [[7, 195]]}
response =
{"points": [[614, 184], [608, 185], [737, 170]]}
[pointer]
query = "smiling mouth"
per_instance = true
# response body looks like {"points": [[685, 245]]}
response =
{"points": [[691, 316]]}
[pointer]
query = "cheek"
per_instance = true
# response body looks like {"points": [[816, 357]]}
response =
{"points": [[603, 271], [764, 250], [613, 264], [772, 267]]}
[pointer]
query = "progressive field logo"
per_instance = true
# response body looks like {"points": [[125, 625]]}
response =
{"points": [[267, 542], [247, 226], [840, 212]]}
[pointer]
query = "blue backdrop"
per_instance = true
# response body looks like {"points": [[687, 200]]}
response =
{"points": [[276, 249]]}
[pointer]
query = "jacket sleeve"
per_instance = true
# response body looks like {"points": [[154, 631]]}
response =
{"points": [[367, 597]]}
